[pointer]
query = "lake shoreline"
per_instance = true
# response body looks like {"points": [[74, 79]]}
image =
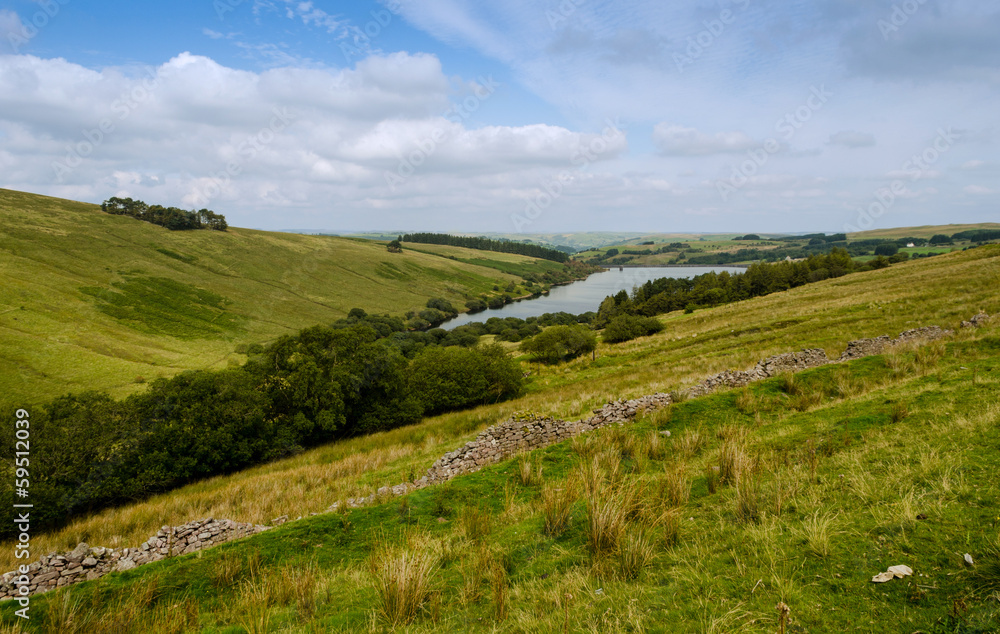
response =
{"points": [[584, 295]]}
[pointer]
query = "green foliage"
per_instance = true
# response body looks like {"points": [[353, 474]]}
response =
{"points": [[301, 391], [454, 378], [486, 244], [940, 239], [170, 217], [560, 343], [628, 327]]}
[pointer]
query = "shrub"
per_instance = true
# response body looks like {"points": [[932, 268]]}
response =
{"points": [[452, 378], [628, 327], [560, 343]]}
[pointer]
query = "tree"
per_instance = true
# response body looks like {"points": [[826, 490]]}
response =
{"points": [[627, 327], [395, 246], [940, 239], [886, 249], [560, 343]]}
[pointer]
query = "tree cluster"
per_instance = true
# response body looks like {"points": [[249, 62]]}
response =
{"points": [[487, 244], [359, 376], [170, 217], [560, 343]]}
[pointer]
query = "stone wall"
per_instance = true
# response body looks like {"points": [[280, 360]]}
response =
{"points": [[517, 434], [84, 563]]}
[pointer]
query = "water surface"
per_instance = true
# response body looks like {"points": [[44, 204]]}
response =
{"points": [[586, 295]]}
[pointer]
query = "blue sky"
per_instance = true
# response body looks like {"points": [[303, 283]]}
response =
{"points": [[529, 116]]}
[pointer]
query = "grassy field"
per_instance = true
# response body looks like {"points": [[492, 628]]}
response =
{"points": [[819, 485], [925, 231], [697, 245], [94, 301]]}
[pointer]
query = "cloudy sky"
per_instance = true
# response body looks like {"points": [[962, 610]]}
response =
{"points": [[522, 115]]}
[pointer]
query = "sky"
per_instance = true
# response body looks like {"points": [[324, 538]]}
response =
{"points": [[522, 116]]}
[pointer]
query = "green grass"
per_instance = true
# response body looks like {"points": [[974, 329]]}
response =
{"points": [[912, 432], [848, 516], [95, 301]]}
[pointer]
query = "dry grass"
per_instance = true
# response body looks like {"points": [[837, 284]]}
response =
{"points": [[311, 481], [477, 524], [635, 554], [606, 519], [403, 581], [557, 507], [675, 486], [817, 531], [670, 525], [529, 476]]}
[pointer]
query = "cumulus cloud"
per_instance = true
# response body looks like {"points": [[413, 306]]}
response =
{"points": [[11, 31], [851, 139], [194, 132], [675, 140]]}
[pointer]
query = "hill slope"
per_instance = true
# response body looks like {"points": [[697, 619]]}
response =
{"points": [[912, 432], [93, 301]]}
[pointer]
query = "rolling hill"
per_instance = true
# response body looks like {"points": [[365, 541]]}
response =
{"points": [[850, 468], [95, 301]]}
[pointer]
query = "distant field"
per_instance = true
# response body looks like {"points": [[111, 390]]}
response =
{"points": [[94, 301], [925, 231]]}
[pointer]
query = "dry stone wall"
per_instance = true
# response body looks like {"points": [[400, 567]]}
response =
{"points": [[84, 563], [517, 434]]}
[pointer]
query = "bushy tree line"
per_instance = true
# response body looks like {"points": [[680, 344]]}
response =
{"points": [[170, 217], [487, 244], [668, 294], [560, 343], [361, 375]]}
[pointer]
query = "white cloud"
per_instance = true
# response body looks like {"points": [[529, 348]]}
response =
{"points": [[11, 31], [973, 164], [196, 133], [674, 140]]}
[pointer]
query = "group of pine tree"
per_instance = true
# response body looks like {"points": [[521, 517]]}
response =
{"points": [[172, 218]]}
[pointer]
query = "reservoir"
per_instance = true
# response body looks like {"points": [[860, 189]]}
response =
{"points": [[586, 295]]}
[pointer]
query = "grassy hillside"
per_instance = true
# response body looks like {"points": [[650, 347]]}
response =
{"points": [[839, 463], [679, 249], [925, 231], [95, 301]]}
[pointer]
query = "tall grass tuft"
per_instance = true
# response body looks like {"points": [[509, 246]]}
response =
{"points": [[732, 458], [675, 486], [476, 523], [816, 531], [899, 411], [557, 507], [671, 528], [606, 519], [748, 489], [691, 442], [789, 385], [656, 446], [529, 477], [498, 584], [635, 554], [747, 403], [403, 581]]}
